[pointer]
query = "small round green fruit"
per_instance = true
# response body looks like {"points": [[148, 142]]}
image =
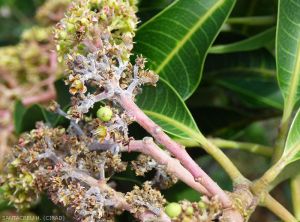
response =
{"points": [[104, 113], [173, 210], [202, 205], [189, 211]]}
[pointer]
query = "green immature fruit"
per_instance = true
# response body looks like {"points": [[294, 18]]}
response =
{"points": [[173, 210], [104, 113], [202, 205], [189, 211]]}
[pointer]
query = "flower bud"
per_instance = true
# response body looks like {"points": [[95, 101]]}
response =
{"points": [[173, 210], [201, 205], [189, 211]]}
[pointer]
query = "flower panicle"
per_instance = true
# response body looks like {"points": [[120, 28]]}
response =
{"points": [[96, 39]]}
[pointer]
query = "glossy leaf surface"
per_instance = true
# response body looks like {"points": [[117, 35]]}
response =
{"points": [[288, 51], [167, 109], [176, 41]]}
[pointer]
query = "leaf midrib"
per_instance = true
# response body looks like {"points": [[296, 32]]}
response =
{"points": [[293, 129], [291, 153], [238, 69], [262, 99], [182, 42], [294, 84], [262, 38], [182, 127]]}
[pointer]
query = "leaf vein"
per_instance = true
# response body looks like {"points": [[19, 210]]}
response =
{"points": [[188, 35]]}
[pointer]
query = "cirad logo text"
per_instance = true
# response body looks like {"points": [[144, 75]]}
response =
{"points": [[32, 218]]}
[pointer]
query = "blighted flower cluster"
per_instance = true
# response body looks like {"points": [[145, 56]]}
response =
{"points": [[96, 39], [74, 167], [162, 179], [145, 199]]}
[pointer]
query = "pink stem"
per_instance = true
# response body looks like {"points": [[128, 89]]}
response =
{"points": [[11, 81], [148, 147], [53, 61], [37, 87], [4, 149], [50, 93], [4, 114], [44, 97], [177, 150]]}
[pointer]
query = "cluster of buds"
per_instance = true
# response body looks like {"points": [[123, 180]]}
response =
{"points": [[51, 12], [31, 62], [94, 25], [203, 211], [27, 61], [18, 186]]}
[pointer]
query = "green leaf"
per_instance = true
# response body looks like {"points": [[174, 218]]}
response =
{"points": [[227, 121], [176, 41], [293, 140], [252, 20], [251, 43], [3, 203], [288, 172], [254, 8], [19, 111], [164, 106], [147, 9], [20, 17], [250, 75], [63, 96], [181, 191], [30, 117], [26, 118], [288, 53]]}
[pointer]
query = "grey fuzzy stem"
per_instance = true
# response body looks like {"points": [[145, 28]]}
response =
{"points": [[117, 199], [73, 123]]}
